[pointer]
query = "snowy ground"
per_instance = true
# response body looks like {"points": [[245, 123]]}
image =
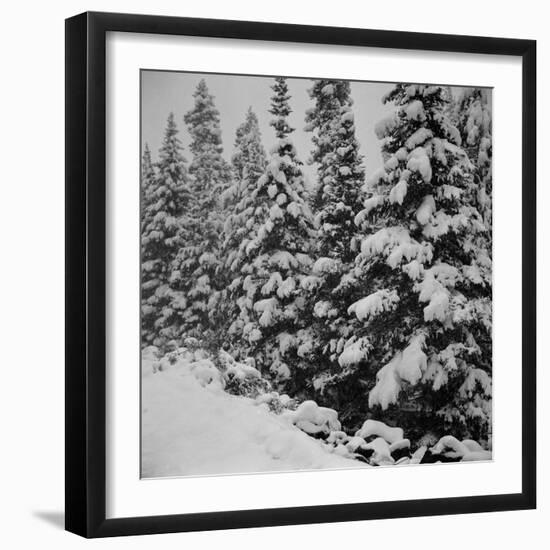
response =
{"points": [[198, 419], [191, 426]]}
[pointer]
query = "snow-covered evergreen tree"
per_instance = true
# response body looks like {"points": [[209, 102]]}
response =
{"points": [[338, 199], [147, 175], [273, 256], [210, 172], [472, 113], [165, 197], [422, 329], [148, 181], [248, 159], [340, 170], [196, 267], [248, 164]]}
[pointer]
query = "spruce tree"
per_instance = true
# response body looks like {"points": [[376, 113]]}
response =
{"points": [[340, 171], [248, 164], [474, 121], [194, 278], [148, 181], [209, 170], [147, 173], [248, 159], [273, 256], [338, 200], [165, 197], [421, 345]]}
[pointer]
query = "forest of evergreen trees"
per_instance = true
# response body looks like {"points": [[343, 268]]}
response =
{"points": [[371, 294]]}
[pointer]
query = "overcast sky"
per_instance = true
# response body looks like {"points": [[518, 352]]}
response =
{"points": [[164, 91], [170, 91]]}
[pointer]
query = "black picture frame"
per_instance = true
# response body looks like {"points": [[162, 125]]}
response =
{"points": [[86, 276]]}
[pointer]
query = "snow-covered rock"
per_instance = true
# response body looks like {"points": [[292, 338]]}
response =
{"points": [[418, 455], [356, 443], [376, 428], [472, 446], [449, 443], [400, 445], [477, 455], [467, 450], [312, 419], [382, 454]]}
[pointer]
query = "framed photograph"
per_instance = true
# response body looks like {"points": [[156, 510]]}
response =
{"points": [[300, 274]]}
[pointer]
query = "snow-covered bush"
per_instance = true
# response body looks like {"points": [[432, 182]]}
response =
{"points": [[313, 419], [206, 373], [190, 362], [243, 379], [375, 428], [276, 402], [466, 450]]}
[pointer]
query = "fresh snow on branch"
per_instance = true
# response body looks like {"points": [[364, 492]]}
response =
{"points": [[374, 304]]}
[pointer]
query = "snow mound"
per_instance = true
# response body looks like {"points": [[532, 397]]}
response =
{"points": [[379, 429], [449, 443], [356, 443], [382, 453], [149, 360], [400, 445], [242, 371], [190, 427], [205, 373], [312, 419], [467, 450]]}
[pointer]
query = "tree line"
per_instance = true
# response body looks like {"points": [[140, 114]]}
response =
{"points": [[372, 295]]}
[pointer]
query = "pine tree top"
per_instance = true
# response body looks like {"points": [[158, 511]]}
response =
{"points": [[147, 152], [203, 120], [210, 171], [249, 157], [280, 108], [146, 162], [340, 169], [171, 147], [167, 188]]}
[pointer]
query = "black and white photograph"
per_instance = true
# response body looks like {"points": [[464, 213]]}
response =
{"points": [[316, 274], [274, 275]]}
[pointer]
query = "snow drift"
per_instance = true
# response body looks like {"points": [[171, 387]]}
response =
{"points": [[191, 426]]}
